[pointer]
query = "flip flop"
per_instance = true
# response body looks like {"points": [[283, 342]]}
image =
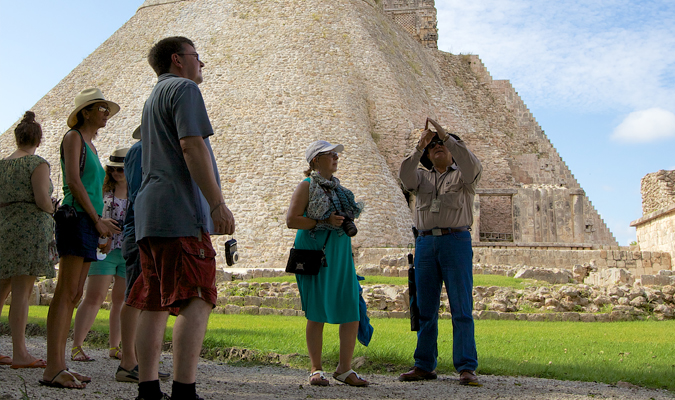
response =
{"points": [[55, 384], [39, 363], [79, 376], [85, 358], [3, 360], [343, 378], [321, 382]]}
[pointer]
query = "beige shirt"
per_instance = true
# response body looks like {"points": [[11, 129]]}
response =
{"points": [[455, 188]]}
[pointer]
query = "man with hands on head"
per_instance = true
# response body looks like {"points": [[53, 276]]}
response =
{"points": [[178, 206], [443, 215]]}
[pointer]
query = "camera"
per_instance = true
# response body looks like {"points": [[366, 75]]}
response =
{"points": [[348, 223], [231, 254]]}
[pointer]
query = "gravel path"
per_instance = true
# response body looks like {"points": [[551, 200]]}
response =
{"points": [[222, 381]]}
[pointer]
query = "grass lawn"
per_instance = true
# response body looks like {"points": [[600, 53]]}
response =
{"points": [[639, 352], [478, 280]]}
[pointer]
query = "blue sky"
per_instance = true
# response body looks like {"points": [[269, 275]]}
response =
{"points": [[598, 76]]}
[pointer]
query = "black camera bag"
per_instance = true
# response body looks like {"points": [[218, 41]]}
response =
{"points": [[306, 262]]}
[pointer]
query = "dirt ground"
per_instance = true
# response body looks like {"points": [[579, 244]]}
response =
{"points": [[222, 381]]}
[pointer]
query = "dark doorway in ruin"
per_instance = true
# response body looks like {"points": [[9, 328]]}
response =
{"points": [[496, 219]]}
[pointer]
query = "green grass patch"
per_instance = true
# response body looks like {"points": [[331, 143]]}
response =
{"points": [[478, 280], [639, 352]]}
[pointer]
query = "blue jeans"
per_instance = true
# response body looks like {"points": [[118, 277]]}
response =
{"points": [[448, 259]]}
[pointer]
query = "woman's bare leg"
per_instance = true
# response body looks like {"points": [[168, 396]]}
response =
{"points": [[22, 287], [69, 287]]}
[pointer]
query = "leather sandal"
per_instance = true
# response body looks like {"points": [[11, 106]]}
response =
{"points": [[351, 380], [322, 381]]}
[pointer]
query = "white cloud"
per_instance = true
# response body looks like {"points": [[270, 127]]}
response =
{"points": [[588, 56], [645, 126]]}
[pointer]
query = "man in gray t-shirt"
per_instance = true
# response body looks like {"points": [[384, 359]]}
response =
{"points": [[177, 207]]}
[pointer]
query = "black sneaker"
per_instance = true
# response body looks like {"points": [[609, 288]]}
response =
{"points": [[123, 375], [164, 397], [194, 398]]}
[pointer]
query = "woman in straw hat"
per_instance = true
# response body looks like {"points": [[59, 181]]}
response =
{"points": [[106, 270], [77, 234], [26, 230]]}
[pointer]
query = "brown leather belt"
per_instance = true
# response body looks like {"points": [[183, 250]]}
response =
{"points": [[443, 231]]}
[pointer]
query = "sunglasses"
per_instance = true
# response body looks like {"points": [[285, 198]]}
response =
{"points": [[103, 109], [328, 153], [116, 169], [433, 144]]}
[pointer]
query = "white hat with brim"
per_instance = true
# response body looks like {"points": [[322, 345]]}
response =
{"points": [[88, 97], [321, 146], [116, 159], [137, 133]]}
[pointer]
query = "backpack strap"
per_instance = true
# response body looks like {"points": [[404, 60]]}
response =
{"points": [[83, 152]]}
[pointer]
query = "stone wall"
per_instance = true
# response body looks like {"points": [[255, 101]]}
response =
{"points": [[658, 191], [546, 255], [656, 231], [417, 17], [636, 262], [656, 228]]}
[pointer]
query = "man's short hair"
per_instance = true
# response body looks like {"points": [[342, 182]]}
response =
{"points": [[159, 57]]}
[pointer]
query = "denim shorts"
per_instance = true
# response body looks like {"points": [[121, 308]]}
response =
{"points": [[77, 237]]}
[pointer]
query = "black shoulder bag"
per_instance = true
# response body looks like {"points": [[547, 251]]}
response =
{"points": [[306, 262]]}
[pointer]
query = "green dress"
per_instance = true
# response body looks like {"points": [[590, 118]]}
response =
{"points": [[25, 229], [332, 296]]}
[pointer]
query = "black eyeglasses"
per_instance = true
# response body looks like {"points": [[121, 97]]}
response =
{"points": [[433, 144], [189, 54], [116, 169]]}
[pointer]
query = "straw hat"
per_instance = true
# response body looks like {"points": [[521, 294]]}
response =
{"points": [[88, 97], [117, 157], [137, 133]]}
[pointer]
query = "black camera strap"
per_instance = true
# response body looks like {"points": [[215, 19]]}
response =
{"points": [[83, 155], [324, 243]]}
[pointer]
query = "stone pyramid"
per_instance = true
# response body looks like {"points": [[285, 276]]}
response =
{"points": [[281, 74]]}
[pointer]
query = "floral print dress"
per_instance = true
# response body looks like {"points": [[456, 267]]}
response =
{"points": [[116, 209], [25, 229]]}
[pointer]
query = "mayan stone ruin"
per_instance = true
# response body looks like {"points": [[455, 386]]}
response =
{"points": [[364, 73], [656, 227]]}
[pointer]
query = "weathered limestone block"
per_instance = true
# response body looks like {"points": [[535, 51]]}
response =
{"points": [[232, 309], [587, 317]]}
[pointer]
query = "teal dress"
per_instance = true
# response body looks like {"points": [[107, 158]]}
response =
{"points": [[332, 296]]}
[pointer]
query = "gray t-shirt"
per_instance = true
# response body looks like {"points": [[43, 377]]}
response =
{"points": [[169, 202]]}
